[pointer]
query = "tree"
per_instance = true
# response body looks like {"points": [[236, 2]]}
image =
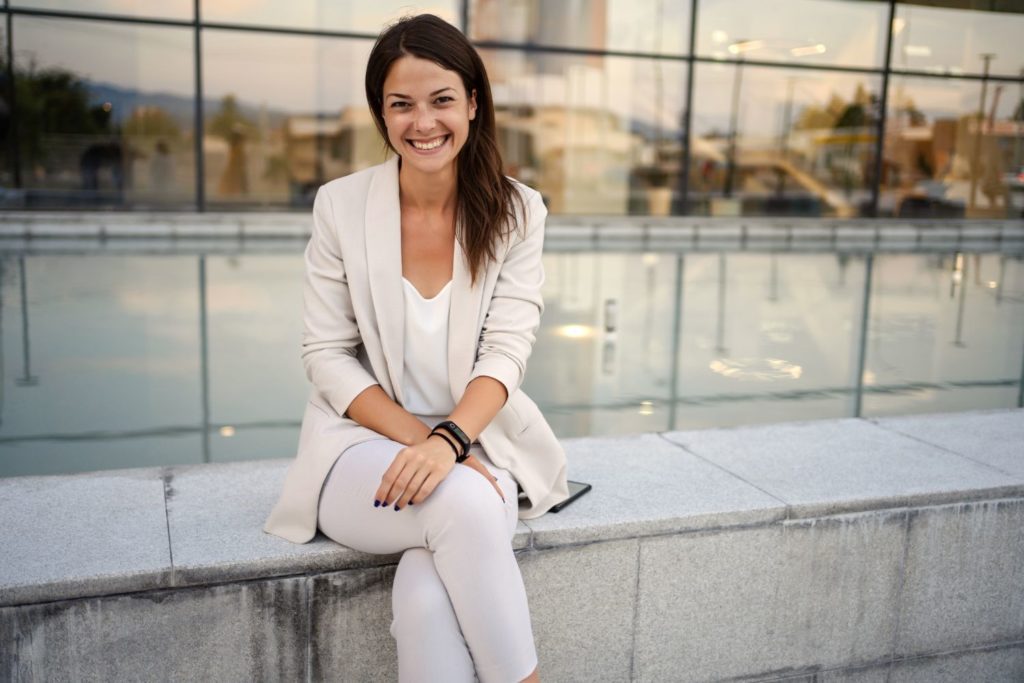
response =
{"points": [[152, 121], [229, 122], [53, 102]]}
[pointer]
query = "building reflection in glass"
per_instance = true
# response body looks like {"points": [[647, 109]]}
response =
{"points": [[595, 134], [166, 9], [953, 149], [7, 160], [948, 37], [104, 122], [793, 143], [276, 139], [826, 32], [643, 26], [359, 16]]}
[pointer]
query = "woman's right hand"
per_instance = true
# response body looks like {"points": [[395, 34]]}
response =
{"points": [[415, 472]]}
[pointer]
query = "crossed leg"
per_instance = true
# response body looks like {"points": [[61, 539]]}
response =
{"points": [[458, 600]]}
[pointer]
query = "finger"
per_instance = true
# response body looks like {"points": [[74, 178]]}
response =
{"points": [[390, 478], [399, 486], [498, 489], [479, 467], [426, 488], [412, 487]]}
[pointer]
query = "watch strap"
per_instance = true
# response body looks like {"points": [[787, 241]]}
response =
{"points": [[460, 437]]}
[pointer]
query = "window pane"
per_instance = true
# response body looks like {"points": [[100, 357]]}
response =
{"points": [[954, 39], [105, 113], [833, 32], [284, 114], [6, 120], [770, 141], [604, 351], [166, 9], [596, 135], [944, 160], [652, 26], [946, 333], [254, 312], [367, 16], [105, 371], [768, 337]]}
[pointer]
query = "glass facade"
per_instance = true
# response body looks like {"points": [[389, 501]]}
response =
{"points": [[832, 108], [167, 354], [110, 127]]}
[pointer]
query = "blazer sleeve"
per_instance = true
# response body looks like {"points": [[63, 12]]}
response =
{"points": [[331, 336], [513, 315]]}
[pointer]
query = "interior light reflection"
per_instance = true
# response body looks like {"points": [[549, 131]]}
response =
{"points": [[756, 369], [575, 331]]}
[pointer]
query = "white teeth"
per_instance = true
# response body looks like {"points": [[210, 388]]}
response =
{"points": [[428, 145]]}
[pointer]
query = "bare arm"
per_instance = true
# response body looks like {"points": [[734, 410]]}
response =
{"points": [[483, 398], [374, 409]]}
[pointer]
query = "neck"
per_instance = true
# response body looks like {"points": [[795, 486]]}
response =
{"points": [[427, 192]]}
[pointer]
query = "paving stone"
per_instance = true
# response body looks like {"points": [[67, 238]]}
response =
{"points": [[80, 535], [216, 515], [993, 438], [253, 631], [998, 665], [582, 601], [351, 621], [802, 593], [964, 577], [644, 485], [835, 466]]}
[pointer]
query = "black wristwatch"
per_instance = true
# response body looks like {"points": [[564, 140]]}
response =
{"points": [[456, 432]]}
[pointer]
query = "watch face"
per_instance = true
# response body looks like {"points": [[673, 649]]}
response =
{"points": [[458, 432]]}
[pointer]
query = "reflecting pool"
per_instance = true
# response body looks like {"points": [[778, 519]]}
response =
{"points": [[162, 356]]}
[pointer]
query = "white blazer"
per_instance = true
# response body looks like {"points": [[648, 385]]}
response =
{"points": [[354, 335]]}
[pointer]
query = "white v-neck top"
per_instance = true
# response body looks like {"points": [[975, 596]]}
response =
{"points": [[425, 387]]}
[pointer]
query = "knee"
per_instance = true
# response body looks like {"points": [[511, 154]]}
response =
{"points": [[467, 502]]}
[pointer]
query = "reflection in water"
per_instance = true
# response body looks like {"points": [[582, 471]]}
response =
{"points": [[756, 369], [166, 367]]}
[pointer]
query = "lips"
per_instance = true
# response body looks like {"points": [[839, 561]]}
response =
{"points": [[428, 145]]}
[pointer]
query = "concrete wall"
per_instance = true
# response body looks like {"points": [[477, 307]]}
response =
{"points": [[830, 551]]}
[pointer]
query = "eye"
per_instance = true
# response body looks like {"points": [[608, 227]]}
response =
{"points": [[398, 105], [444, 99]]}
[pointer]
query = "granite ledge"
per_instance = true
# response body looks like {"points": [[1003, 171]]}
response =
{"points": [[680, 482]]}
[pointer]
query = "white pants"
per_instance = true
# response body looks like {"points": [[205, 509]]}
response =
{"points": [[458, 601]]}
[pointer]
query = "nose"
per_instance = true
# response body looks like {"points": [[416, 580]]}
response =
{"points": [[424, 119]]}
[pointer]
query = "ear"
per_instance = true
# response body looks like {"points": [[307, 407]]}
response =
{"points": [[472, 105]]}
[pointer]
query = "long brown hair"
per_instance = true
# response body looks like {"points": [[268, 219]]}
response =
{"points": [[486, 200]]}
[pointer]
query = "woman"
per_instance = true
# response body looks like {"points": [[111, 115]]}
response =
{"points": [[422, 301]]}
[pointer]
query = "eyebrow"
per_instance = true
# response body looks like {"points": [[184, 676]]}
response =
{"points": [[406, 97]]}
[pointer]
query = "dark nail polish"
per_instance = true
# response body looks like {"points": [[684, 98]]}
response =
{"points": [[376, 503], [397, 508], [410, 502]]}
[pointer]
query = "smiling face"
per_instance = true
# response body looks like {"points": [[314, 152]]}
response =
{"points": [[427, 114]]}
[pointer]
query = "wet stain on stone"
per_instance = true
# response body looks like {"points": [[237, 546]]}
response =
{"points": [[168, 478]]}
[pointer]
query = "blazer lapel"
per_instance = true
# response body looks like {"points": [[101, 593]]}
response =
{"points": [[383, 226], [462, 319]]}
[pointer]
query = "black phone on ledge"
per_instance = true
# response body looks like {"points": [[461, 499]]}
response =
{"points": [[576, 489]]}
